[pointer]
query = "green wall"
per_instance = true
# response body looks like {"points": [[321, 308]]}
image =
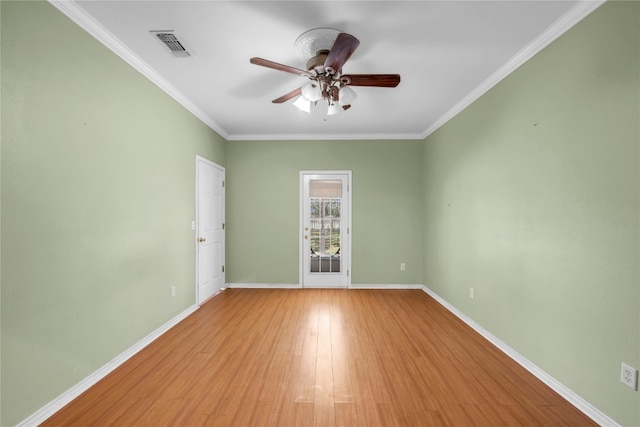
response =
{"points": [[263, 197], [98, 184], [532, 198]]}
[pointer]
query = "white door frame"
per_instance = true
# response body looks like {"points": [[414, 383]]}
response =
{"points": [[196, 227], [345, 249]]}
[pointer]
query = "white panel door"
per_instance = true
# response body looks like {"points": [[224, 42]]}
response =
{"points": [[210, 229], [325, 238]]}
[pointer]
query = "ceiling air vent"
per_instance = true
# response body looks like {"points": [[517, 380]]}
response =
{"points": [[175, 46]]}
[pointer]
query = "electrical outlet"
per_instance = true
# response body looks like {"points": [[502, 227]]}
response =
{"points": [[173, 291], [403, 266], [470, 292], [629, 376]]}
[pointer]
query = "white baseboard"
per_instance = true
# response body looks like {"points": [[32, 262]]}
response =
{"points": [[585, 407], [297, 286], [65, 398], [384, 286], [263, 286], [55, 405]]}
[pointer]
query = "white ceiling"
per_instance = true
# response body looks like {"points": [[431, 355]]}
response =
{"points": [[447, 52]]}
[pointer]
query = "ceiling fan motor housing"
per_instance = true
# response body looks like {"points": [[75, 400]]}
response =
{"points": [[317, 62]]}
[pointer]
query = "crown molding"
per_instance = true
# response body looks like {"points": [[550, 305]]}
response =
{"points": [[555, 30], [559, 27], [93, 27], [323, 137]]}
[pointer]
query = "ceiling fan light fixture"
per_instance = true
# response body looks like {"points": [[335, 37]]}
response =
{"points": [[303, 104], [326, 50], [334, 108], [347, 95], [312, 91]]}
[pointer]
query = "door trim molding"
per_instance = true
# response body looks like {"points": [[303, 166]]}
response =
{"points": [[349, 224], [200, 159]]}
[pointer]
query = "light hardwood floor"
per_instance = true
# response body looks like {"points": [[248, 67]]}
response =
{"points": [[320, 357]]}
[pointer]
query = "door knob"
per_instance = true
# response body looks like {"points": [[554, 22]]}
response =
{"points": [[202, 239]]}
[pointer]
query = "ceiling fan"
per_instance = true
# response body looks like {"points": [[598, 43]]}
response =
{"points": [[326, 50]]}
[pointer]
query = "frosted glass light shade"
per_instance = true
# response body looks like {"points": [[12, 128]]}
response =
{"points": [[312, 91], [303, 104], [347, 95], [334, 109]]}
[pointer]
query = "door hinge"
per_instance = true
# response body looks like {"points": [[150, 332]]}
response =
{"points": [[223, 225], [223, 268], [223, 183], [348, 271]]}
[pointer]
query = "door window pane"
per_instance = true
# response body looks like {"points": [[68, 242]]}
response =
{"points": [[325, 226]]}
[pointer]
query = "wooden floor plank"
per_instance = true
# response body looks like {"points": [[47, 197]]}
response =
{"points": [[346, 415], [320, 357]]}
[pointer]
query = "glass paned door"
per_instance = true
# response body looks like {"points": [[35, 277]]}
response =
{"points": [[324, 234], [325, 229]]}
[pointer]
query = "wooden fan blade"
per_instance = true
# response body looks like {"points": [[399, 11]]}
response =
{"points": [[288, 96], [342, 49], [377, 80], [279, 67]]}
